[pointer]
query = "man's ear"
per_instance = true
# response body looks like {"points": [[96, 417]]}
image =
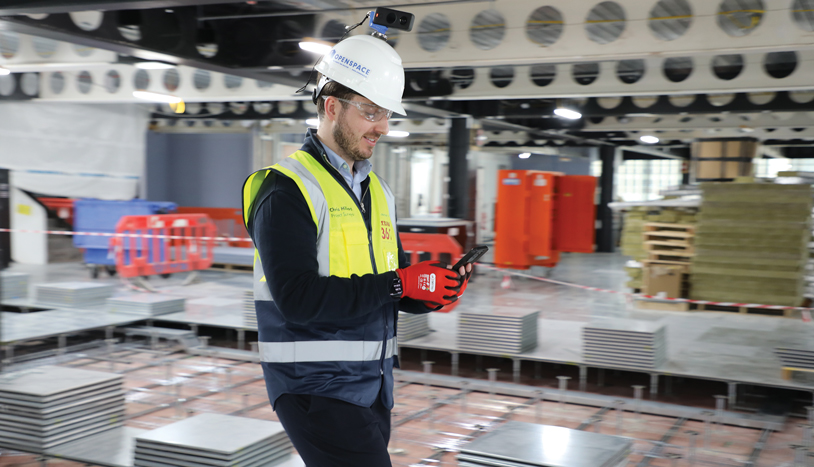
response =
{"points": [[331, 108]]}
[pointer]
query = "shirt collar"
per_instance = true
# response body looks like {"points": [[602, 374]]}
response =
{"points": [[363, 168]]}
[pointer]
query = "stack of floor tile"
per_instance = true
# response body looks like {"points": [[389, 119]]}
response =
{"points": [[796, 356], [73, 294], [625, 344], [214, 440], [51, 405], [146, 304], [233, 255], [412, 326], [751, 244], [249, 313], [501, 330], [13, 285], [518, 444]]}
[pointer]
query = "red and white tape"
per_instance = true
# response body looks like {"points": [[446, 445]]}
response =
{"points": [[124, 235], [806, 311]]}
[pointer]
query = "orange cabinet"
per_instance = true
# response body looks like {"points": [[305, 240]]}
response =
{"points": [[540, 214]]}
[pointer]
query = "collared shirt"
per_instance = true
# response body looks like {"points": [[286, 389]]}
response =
{"points": [[353, 179]]}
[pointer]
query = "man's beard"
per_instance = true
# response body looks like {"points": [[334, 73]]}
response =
{"points": [[346, 142]]}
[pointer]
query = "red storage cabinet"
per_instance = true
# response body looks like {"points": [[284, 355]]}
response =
{"points": [[540, 214]]}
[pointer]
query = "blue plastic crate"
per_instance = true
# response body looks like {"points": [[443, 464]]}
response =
{"points": [[95, 215], [100, 256]]}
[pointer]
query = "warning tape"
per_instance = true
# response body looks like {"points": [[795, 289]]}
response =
{"points": [[806, 311], [124, 235], [806, 316]]}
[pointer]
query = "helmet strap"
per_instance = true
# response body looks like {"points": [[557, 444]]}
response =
{"points": [[318, 89]]}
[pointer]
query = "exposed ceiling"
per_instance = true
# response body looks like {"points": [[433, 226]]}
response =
{"points": [[679, 69]]}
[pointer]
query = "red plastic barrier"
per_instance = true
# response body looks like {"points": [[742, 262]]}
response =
{"points": [[441, 247], [147, 256], [228, 221]]}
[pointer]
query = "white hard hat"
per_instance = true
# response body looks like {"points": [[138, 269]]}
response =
{"points": [[368, 66]]}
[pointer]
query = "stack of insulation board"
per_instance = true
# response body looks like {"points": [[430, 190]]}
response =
{"points": [[632, 243], [751, 243], [50, 405], [146, 304], [14, 285], [625, 343], [504, 330], [214, 440], [412, 326], [249, 313], [73, 294], [518, 444]]}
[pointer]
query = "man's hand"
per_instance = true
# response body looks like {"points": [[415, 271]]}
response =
{"points": [[465, 272], [431, 282]]}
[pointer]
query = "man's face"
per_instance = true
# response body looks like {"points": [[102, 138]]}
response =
{"points": [[355, 135]]}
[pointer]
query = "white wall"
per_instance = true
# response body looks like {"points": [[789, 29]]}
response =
{"points": [[27, 248]]}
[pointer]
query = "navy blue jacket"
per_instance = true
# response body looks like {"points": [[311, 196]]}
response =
{"points": [[285, 236]]}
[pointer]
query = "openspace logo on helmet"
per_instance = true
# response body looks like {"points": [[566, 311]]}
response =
{"points": [[350, 64]]}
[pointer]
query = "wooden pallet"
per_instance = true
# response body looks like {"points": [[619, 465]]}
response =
{"points": [[232, 267], [669, 243], [665, 229], [662, 305]]}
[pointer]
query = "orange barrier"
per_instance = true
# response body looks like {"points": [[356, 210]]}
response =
{"points": [[228, 221], [438, 247], [163, 253]]}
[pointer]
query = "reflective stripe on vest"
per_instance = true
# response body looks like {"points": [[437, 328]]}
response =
{"points": [[326, 351]]}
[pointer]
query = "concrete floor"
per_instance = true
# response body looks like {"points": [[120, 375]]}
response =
{"points": [[707, 345]]}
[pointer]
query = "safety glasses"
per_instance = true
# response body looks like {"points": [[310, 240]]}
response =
{"points": [[370, 112]]}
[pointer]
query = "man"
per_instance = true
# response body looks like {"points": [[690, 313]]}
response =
{"points": [[330, 272]]}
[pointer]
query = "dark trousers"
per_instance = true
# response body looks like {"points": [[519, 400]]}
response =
{"points": [[333, 433]]}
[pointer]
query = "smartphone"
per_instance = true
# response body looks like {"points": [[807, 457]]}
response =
{"points": [[470, 257]]}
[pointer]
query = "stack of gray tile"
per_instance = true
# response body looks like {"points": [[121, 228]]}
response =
{"points": [[233, 255], [73, 294], [146, 304], [13, 285], [411, 326], [625, 343], [214, 440], [796, 356], [48, 406], [518, 444], [502, 330], [249, 314]]}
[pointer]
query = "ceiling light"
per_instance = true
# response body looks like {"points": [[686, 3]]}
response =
{"points": [[524, 155], [156, 97], [154, 66], [398, 134], [312, 122], [567, 113], [4, 71], [649, 139], [315, 45]]}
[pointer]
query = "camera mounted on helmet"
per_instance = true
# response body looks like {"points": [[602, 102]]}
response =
{"points": [[381, 20]]}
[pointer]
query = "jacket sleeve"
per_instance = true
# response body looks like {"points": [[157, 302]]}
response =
{"points": [[286, 240]]}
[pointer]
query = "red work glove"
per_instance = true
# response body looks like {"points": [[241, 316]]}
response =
{"points": [[430, 282]]}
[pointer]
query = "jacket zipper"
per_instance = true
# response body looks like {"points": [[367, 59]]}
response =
{"points": [[361, 207]]}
